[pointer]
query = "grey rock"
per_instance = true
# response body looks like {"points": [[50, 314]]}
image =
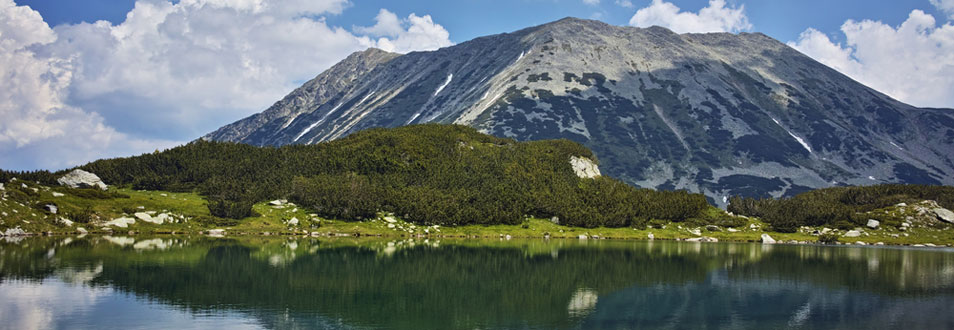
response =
{"points": [[50, 208], [216, 232], [584, 167], [944, 215], [607, 86], [81, 179], [853, 233], [873, 224], [713, 228], [555, 220], [766, 239], [14, 232]]}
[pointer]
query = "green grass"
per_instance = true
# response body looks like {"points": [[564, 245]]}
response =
{"points": [[273, 220]]}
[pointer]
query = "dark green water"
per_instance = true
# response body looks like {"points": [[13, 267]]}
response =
{"points": [[183, 283]]}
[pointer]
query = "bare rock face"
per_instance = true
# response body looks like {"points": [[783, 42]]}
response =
{"points": [[718, 113], [944, 215], [584, 167], [82, 179]]}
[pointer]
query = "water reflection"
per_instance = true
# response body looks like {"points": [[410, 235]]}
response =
{"points": [[350, 283]]}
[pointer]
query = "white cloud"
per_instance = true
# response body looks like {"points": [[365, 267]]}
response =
{"points": [[946, 6], [625, 3], [912, 62], [592, 2], [170, 72], [33, 111], [716, 17], [421, 33]]}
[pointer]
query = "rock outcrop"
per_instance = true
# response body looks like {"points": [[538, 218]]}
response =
{"points": [[81, 179], [584, 167]]}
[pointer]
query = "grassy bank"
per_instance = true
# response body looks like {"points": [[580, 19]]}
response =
{"points": [[187, 213]]}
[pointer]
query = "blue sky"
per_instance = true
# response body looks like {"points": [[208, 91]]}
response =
{"points": [[83, 81], [467, 19]]}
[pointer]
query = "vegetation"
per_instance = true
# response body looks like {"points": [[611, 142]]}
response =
{"points": [[428, 174], [842, 207]]}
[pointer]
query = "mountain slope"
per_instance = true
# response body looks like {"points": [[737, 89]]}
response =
{"points": [[717, 113]]}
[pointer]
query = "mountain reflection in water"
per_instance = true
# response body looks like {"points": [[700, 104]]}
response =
{"points": [[176, 282]]}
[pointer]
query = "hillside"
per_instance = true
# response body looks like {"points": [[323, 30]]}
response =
{"points": [[719, 114], [427, 174]]}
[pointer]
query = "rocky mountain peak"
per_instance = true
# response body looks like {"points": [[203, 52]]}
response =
{"points": [[719, 113]]}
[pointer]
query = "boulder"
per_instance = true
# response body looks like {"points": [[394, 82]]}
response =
{"points": [[147, 218], [82, 179], [584, 167], [50, 208], [873, 224], [555, 220], [1, 187], [766, 239], [583, 237], [732, 230], [216, 232], [122, 222], [944, 214], [14, 232], [56, 194], [860, 243], [713, 228], [651, 236], [293, 222], [853, 233], [695, 231], [81, 230], [702, 239]]}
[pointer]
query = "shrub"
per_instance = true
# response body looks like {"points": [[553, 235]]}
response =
{"points": [[84, 216], [828, 238]]}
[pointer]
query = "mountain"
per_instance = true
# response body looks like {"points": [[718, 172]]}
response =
{"points": [[717, 113]]}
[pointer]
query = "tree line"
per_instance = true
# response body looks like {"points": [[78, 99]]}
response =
{"points": [[428, 174], [842, 207]]}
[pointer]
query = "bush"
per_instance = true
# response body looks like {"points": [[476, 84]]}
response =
{"points": [[828, 238], [214, 221], [90, 193], [84, 216]]}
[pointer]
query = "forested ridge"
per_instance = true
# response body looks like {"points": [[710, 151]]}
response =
{"points": [[841, 207], [428, 174]]}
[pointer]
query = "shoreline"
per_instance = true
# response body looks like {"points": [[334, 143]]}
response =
{"points": [[499, 236]]}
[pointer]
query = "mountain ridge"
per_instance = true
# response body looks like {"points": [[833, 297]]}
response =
{"points": [[719, 113]]}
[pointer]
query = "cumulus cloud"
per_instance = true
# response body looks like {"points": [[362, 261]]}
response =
{"points": [[35, 120], [167, 74], [716, 17], [911, 62], [404, 35], [946, 6]]}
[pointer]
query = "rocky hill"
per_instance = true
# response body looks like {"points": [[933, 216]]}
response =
{"points": [[722, 114]]}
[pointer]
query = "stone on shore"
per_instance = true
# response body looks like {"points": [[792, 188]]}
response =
{"points": [[873, 224], [766, 239]]}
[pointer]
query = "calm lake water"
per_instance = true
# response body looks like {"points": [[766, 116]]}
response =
{"points": [[184, 283]]}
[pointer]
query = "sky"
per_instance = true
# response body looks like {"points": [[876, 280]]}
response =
{"points": [[87, 79]]}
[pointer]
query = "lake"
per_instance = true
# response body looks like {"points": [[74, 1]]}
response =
{"points": [[308, 283]]}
